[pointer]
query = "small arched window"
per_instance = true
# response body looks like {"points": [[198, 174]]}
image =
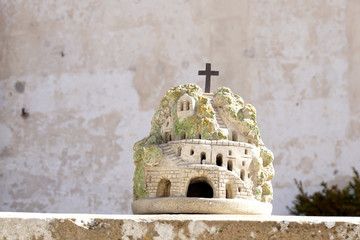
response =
{"points": [[179, 151], [202, 158], [242, 174], [187, 105], [230, 165], [219, 160], [184, 106]]}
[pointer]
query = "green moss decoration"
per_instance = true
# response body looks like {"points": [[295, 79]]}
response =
{"points": [[245, 117], [204, 124]]}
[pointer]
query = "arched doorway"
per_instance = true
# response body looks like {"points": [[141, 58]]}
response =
{"points": [[234, 136], [242, 174], [183, 135], [229, 190], [167, 137], [200, 188], [163, 189]]}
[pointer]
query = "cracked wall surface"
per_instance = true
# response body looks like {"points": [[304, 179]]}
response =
{"points": [[80, 82]]}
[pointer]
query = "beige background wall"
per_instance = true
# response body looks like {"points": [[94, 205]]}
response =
{"points": [[90, 74]]}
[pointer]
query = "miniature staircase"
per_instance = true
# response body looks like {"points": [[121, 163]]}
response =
{"points": [[168, 152], [218, 117]]}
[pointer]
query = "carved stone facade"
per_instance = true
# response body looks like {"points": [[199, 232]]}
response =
{"points": [[223, 165], [190, 164]]}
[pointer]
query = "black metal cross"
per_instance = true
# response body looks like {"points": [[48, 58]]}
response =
{"points": [[208, 73]]}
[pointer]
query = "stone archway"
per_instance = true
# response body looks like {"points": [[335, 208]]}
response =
{"points": [[200, 188], [163, 189], [228, 190]]}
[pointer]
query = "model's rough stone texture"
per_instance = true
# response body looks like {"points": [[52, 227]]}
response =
{"points": [[24, 226], [203, 145]]}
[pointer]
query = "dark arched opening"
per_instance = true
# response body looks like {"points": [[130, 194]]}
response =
{"points": [[163, 189], [219, 160], [183, 135], [202, 157], [199, 188]]}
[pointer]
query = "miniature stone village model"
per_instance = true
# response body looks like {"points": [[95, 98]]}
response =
{"points": [[204, 155]]}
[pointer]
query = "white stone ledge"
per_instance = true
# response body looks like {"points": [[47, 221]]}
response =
{"points": [[93, 226]]}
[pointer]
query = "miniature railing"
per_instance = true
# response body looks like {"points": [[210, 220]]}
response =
{"points": [[213, 142]]}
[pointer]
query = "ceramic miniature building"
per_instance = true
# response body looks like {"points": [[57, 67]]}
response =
{"points": [[204, 155]]}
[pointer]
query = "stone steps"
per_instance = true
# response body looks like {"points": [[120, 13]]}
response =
{"points": [[219, 118], [209, 96], [169, 152]]}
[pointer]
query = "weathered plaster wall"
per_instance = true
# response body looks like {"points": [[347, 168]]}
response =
{"points": [[24, 226], [90, 74]]}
